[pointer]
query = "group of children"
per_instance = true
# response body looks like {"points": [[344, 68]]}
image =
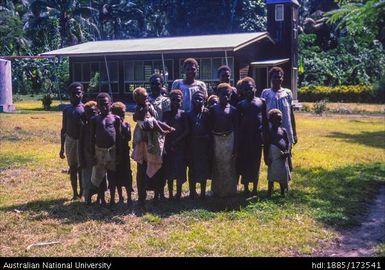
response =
{"points": [[212, 140]]}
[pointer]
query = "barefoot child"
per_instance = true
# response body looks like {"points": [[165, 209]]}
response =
{"points": [[174, 160], [85, 153], [199, 146], [70, 133], [223, 122], [123, 170], [105, 141], [252, 127], [276, 153]]}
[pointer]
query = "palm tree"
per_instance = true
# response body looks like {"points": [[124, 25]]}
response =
{"points": [[119, 19], [76, 22]]}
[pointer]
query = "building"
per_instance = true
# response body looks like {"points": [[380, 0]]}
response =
{"points": [[124, 65]]}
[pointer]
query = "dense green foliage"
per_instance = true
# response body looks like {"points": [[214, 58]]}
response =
{"points": [[340, 42], [342, 93]]}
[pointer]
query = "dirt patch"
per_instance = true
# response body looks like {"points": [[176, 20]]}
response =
{"points": [[12, 175], [361, 241]]}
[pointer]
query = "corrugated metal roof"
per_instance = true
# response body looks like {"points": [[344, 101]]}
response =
{"points": [[269, 63], [282, 2], [206, 43]]}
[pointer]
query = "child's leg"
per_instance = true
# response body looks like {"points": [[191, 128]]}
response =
{"points": [[192, 187], [112, 185], [203, 189], [270, 189], [164, 126], [80, 182], [128, 191], [74, 181], [255, 186], [120, 194], [282, 186], [170, 186], [178, 190], [158, 127], [246, 188]]}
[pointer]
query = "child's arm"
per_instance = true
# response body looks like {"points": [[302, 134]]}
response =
{"points": [[266, 146], [118, 138], [265, 122], [62, 134], [293, 125], [81, 149], [93, 134], [235, 125]]}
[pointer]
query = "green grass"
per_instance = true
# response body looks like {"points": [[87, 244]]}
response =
{"points": [[339, 164]]}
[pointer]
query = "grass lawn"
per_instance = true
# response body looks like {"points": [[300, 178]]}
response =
{"points": [[349, 108], [339, 164]]}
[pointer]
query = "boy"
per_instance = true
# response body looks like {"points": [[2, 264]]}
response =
{"points": [[199, 154], [175, 159], [224, 74], [85, 153], [223, 121], [70, 133], [252, 127], [276, 154], [105, 141], [189, 85], [123, 170]]}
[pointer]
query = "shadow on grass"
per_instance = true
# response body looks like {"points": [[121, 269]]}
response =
{"points": [[372, 139], [335, 198], [338, 197]]}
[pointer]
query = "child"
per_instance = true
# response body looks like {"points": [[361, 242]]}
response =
{"points": [[70, 133], [199, 154], [212, 100], [252, 127], [123, 170], [223, 121], [174, 159], [105, 141], [85, 153], [145, 116], [276, 153]]}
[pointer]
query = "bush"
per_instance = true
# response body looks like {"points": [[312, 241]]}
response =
{"points": [[342, 93], [47, 101], [320, 107]]}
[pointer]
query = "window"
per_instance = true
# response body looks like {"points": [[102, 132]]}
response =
{"points": [[208, 68], [279, 13], [295, 14], [137, 73], [84, 72]]}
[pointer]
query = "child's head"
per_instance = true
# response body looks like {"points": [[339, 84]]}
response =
{"points": [[247, 87], [224, 73], [103, 100], [276, 76], [176, 97], [118, 108], [224, 93], [90, 110], [212, 100], [156, 82], [190, 66], [275, 117], [140, 95], [198, 99], [76, 92]]}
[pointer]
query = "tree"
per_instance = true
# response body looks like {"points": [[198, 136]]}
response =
{"points": [[363, 19], [76, 22]]}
